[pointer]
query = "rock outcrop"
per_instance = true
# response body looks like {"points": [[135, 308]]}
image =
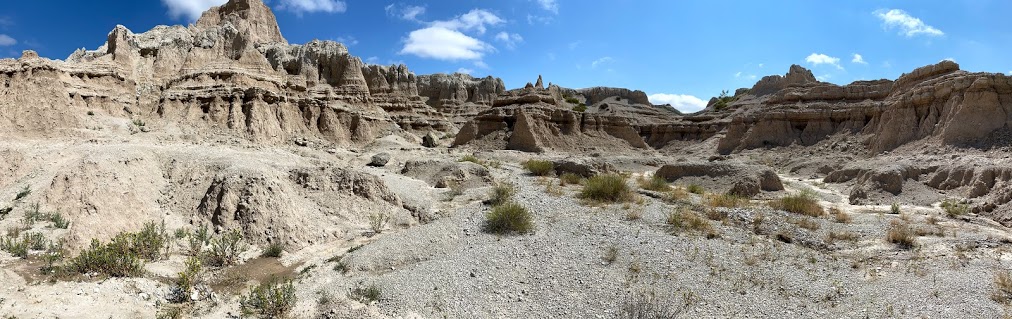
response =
{"points": [[732, 178], [459, 96]]}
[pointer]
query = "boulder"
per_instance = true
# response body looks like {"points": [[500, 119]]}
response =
{"points": [[430, 140], [380, 160], [443, 174], [725, 176]]}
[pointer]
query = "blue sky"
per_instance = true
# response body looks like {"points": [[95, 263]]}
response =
{"points": [[682, 52]]}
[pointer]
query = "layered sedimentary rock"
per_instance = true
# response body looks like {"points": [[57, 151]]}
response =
{"points": [[459, 96], [231, 71]]}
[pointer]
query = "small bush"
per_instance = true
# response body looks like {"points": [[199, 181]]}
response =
{"points": [[454, 190], [271, 299], [23, 193], [149, 242], [509, 218], [646, 305], [58, 221], [53, 254], [273, 250], [572, 100], [115, 259], [726, 200], [472, 159], [954, 208], [655, 183], [501, 194], [225, 250], [366, 294], [606, 188], [807, 223], [894, 209], [190, 277], [139, 122], [91, 113], [570, 178], [32, 215], [803, 203], [14, 245], [840, 216], [900, 234], [539, 167], [580, 108], [1003, 287], [695, 189], [685, 220], [5, 211], [378, 221], [724, 100], [834, 236], [35, 241]]}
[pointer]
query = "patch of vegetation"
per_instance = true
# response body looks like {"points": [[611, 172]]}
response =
{"points": [[633, 214], [656, 183], [580, 108], [607, 188], [23, 193], [695, 189], [502, 193], [191, 276], [271, 299], [472, 159], [570, 179], [5, 211], [139, 122], [35, 241], [539, 167], [58, 220], [807, 223], [834, 236], [726, 200], [572, 100], [378, 221], [509, 218], [198, 239], [1002, 287], [724, 100], [225, 250], [273, 250], [115, 259], [646, 305], [610, 254], [900, 234], [840, 216], [14, 244], [366, 294], [32, 215], [894, 209], [803, 203], [53, 254], [954, 208], [171, 312], [685, 220]]}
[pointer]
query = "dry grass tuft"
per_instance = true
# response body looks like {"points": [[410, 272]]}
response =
{"points": [[803, 203], [900, 234]]}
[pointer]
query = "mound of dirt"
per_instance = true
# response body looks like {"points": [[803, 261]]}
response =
{"points": [[732, 178], [443, 173]]}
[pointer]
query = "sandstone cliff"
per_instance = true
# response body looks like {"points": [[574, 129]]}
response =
{"points": [[459, 96]]}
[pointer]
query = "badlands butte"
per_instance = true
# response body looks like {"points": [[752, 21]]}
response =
{"points": [[217, 171]]}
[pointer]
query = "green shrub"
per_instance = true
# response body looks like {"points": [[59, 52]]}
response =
{"points": [[59, 221], [894, 209], [114, 259], [35, 241], [23, 193], [726, 200], [501, 194], [14, 245], [53, 254], [150, 241], [695, 189], [724, 100], [606, 188], [472, 159], [273, 250], [954, 208], [32, 215], [803, 203], [139, 122], [225, 249], [901, 234], [377, 221], [190, 277], [572, 100], [509, 218], [366, 294], [570, 178], [580, 108], [5, 211], [656, 183], [539, 167], [271, 299], [685, 220]]}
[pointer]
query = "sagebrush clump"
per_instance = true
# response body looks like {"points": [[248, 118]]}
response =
{"points": [[500, 194], [539, 167], [225, 249], [607, 188], [509, 218], [900, 234], [803, 203], [271, 299], [655, 183]]}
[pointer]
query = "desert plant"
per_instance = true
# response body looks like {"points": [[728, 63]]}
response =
{"points": [[685, 220], [606, 188], [189, 278], [726, 200], [695, 189], [58, 220], [834, 236], [803, 203], [4, 211], [655, 183], [271, 299], [35, 241], [53, 254], [539, 167], [900, 234], [645, 305], [572, 100], [171, 312], [570, 178], [377, 221], [807, 223], [509, 218], [25, 191], [139, 122], [273, 250], [14, 244], [954, 208], [723, 100], [150, 241], [580, 108], [114, 259], [840, 216], [225, 249], [1003, 287], [366, 294], [501, 194], [894, 209], [32, 215], [472, 159]]}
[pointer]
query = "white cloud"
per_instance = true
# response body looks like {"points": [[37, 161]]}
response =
{"points": [[908, 25], [682, 102], [858, 59], [465, 70], [533, 19], [737, 75], [6, 40], [823, 78], [1009, 72], [949, 59], [309, 6], [549, 5], [476, 20], [575, 44], [601, 61], [444, 44], [510, 39], [481, 64], [405, 12], [372, 59], [190, 9], [819, 58]]}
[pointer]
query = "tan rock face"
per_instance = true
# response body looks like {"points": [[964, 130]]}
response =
{"points": [[459, 96]]}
